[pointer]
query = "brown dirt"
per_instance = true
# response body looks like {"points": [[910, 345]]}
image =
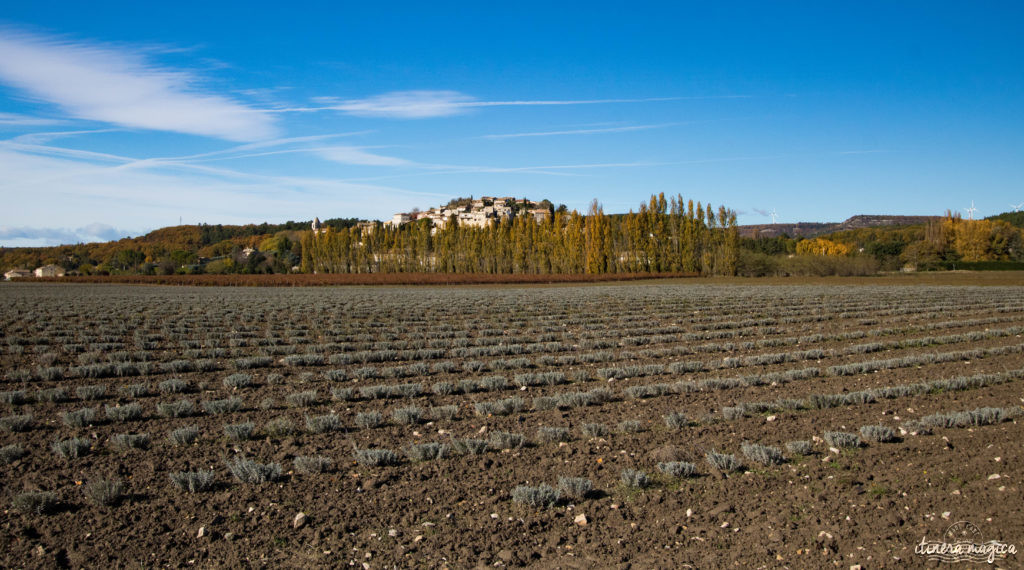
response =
{"points": [[869, 506]]}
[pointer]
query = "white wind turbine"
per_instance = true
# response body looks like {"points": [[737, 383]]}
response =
{"points": [[773, 215], [970, 211], [1017, 207]]}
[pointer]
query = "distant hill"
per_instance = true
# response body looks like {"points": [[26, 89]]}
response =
{"points": [[1015, 219], [895, 241], [173, 246], [814, 229]]}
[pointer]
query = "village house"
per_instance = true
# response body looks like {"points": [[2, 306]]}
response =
{"points": [[17, 274], [473, 219], [399, 219], [49, 271], [439, 219], [476, 214], [540, 214]]}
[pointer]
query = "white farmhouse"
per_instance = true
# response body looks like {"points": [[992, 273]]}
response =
{"points": [[17, 274], [50, 271]]}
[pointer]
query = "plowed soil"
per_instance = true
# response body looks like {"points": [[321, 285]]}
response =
{"points": [[870, 505]]}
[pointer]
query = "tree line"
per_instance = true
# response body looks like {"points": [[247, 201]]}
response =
{"points": [[665, 235], [950, 242]]}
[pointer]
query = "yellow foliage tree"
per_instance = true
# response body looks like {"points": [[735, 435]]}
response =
{"points": [[821, 246], [971, 239]]}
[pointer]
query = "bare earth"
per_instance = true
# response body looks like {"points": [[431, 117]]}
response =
{"points": [[744, 361]]}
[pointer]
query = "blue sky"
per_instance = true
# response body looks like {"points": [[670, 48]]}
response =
{"points": [[120, 117]]}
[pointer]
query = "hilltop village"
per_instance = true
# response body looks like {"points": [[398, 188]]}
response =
{"points": [[476, 213]]}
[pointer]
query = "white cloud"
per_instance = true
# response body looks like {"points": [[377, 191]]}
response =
{"points": [[290, 141], [426, 104], [103, 83], [44, 137], [407, 105], [355, 155], [15, 120], [61, 189]]}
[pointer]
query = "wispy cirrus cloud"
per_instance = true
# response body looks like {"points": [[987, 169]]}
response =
{"points": [[15, 120], [598, 131], [357, 156], [36, 144], [406, 105], [115, 85], [47, 136], [423, 104], [290, 145], [142, 194]]}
